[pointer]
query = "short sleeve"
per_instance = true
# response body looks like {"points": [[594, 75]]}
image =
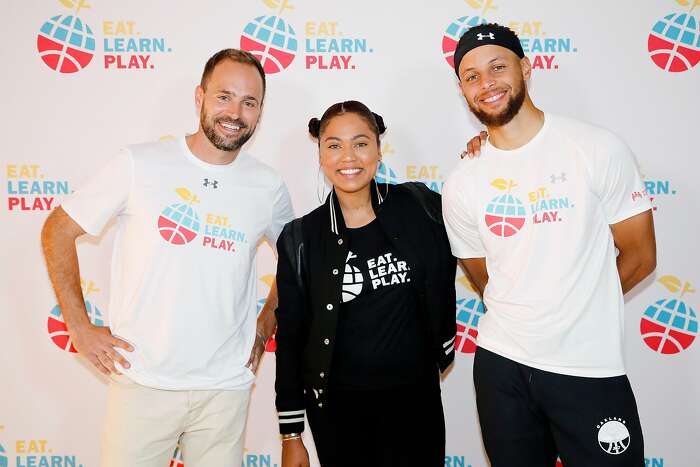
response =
{"points": [[282, 213], [462, 229], [619, 184], [104, 196]]}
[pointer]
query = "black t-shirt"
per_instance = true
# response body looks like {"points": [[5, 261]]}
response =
{"points": [[381, 339]]}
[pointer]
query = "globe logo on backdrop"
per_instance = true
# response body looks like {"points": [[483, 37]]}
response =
{"points": [[454, 32], [674, 41], [65, 42], [469, 311], [179, 224], [3, 457], [669, 325], [385, 175], [58, 331], [271, 39]]}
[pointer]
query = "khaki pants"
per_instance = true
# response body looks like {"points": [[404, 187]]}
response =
{"points": [[143, 426]]}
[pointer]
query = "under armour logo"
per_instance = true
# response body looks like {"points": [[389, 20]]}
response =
{"points": [[481, 37], [213, 183], [555, 178]]}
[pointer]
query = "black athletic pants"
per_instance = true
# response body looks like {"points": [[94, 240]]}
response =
{"points": [[528, 416], [398, 427]]}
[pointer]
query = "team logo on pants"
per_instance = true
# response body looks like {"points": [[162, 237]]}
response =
{"points": [[613, 435]]}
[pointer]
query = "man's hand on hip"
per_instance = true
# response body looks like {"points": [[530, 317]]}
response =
{"points": [[97, 344]]}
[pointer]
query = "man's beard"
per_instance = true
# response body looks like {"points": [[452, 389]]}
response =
{"points": [[224, 143], [515, 102]]}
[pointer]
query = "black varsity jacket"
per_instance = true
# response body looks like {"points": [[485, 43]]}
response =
{"points": [[312, 252]]}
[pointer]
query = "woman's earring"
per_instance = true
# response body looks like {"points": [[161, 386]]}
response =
{"points": [[381, 198]]}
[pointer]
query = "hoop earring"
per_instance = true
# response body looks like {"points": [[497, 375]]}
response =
{"points": [[320, 196], [376, 185]]}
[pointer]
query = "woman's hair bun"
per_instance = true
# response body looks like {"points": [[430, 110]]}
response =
{"points": [[381, 127], [315, 127]]}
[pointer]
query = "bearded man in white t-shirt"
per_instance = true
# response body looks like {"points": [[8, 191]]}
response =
{"points": [[183, 341], [536, 221]]}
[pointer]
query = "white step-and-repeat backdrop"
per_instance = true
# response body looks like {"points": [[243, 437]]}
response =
{"points": [[81, 78]]}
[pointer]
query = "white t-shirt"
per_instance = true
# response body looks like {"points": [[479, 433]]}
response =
{"points": [[540, 215], [183, 279]]}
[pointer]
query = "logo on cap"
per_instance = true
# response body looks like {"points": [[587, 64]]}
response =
{"points": [[482, 36]]}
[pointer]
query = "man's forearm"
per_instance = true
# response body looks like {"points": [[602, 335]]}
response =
{"points": [[633, 268], [62, 265], [267, 320], [480, 286], [476, 273], [636, 242]]}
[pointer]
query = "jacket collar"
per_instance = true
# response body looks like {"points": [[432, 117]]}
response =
{"points": [[337, 223]]}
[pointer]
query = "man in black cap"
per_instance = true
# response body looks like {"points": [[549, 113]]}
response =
{"points": [[536, 220]]}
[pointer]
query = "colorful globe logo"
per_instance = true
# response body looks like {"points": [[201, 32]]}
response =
{"points": [[58, 331], [3, 457], [272, 41], [178, 224], [385, 175], [505, 215], [454, 32], [669, 326], [66, 44], [468, 314], [674, 42]]}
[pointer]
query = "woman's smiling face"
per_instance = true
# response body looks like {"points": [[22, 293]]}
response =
{"points": [[349, 152]]}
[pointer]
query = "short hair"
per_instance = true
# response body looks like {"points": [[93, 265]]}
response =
{"points": [[236, 55], [373, 120]]}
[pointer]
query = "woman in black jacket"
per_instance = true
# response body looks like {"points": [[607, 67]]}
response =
{"points": [[366, 316]]}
